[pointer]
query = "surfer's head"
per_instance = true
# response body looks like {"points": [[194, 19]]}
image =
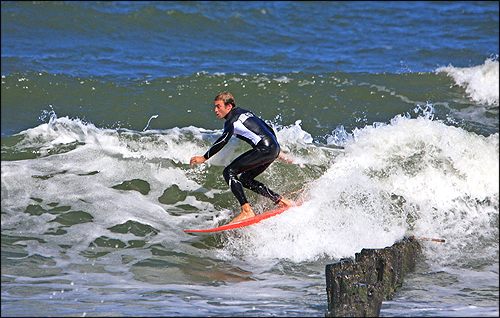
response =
{"points": [[227, 98], [224, 103]]}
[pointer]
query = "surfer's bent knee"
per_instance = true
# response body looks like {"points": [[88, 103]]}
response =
{"points": [[228, 174]]}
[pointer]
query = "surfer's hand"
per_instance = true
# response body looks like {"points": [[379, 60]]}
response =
{"points": [[285, 157], [196, 160]]}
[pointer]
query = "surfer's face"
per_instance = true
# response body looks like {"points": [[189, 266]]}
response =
{"points": [[220, 109]]}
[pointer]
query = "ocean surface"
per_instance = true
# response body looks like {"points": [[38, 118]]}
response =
{"points": [[390, 111]]}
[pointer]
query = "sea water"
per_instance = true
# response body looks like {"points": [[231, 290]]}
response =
{"points": [[389, 111]]}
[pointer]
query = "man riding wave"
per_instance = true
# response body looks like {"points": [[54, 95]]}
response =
{"points": [[265, 149]]}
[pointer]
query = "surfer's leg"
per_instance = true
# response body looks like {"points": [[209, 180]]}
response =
{"points": [[230, 174], [250, 164], [248, 181], [252, 159], [253, 163], [235, 185], [262, 189]]}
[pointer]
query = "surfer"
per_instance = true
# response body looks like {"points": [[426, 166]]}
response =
{"points": [[265, 149]]}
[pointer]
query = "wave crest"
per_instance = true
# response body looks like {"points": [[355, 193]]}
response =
{"points": [[480, 82]]}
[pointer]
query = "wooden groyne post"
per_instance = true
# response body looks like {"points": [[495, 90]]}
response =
{"points": [[357, 288]]}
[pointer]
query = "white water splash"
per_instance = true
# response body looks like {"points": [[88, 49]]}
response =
{"points": [[480, 82]]}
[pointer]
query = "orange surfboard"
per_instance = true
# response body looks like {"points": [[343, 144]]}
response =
{"points": [[253, 220]]}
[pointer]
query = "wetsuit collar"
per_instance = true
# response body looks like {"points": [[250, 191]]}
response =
{"points": [[230, 114]]}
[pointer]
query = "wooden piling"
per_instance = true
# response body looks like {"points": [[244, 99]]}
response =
{"points": [[356, 288]]}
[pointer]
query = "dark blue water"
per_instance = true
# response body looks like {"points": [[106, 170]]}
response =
{"points": [[131, 40]]}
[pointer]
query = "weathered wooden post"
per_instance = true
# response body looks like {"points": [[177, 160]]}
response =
{"points": [[357, 288]]}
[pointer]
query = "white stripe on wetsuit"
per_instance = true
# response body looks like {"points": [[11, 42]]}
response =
{"points": [[241, 130]]}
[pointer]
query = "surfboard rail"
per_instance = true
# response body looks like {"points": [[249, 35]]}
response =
{"points": [[246, 222]]}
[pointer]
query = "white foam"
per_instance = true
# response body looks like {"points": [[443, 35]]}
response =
{"points": [[298, 145], [410, 177], [480, 82], [82, 177]]}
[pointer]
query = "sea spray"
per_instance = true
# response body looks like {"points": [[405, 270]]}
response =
{"points": [[481, 82], [411, 177]]}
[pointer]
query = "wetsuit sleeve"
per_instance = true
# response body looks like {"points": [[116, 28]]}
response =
{"points": [[221, 142]]}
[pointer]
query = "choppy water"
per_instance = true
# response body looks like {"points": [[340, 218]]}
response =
{"points": [[389, 109]]}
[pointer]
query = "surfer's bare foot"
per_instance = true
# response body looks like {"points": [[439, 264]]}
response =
{"points": [[285, 203], [246, 213]]}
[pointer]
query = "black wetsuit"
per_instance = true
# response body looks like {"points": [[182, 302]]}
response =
{"points": [[250, 128]]}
